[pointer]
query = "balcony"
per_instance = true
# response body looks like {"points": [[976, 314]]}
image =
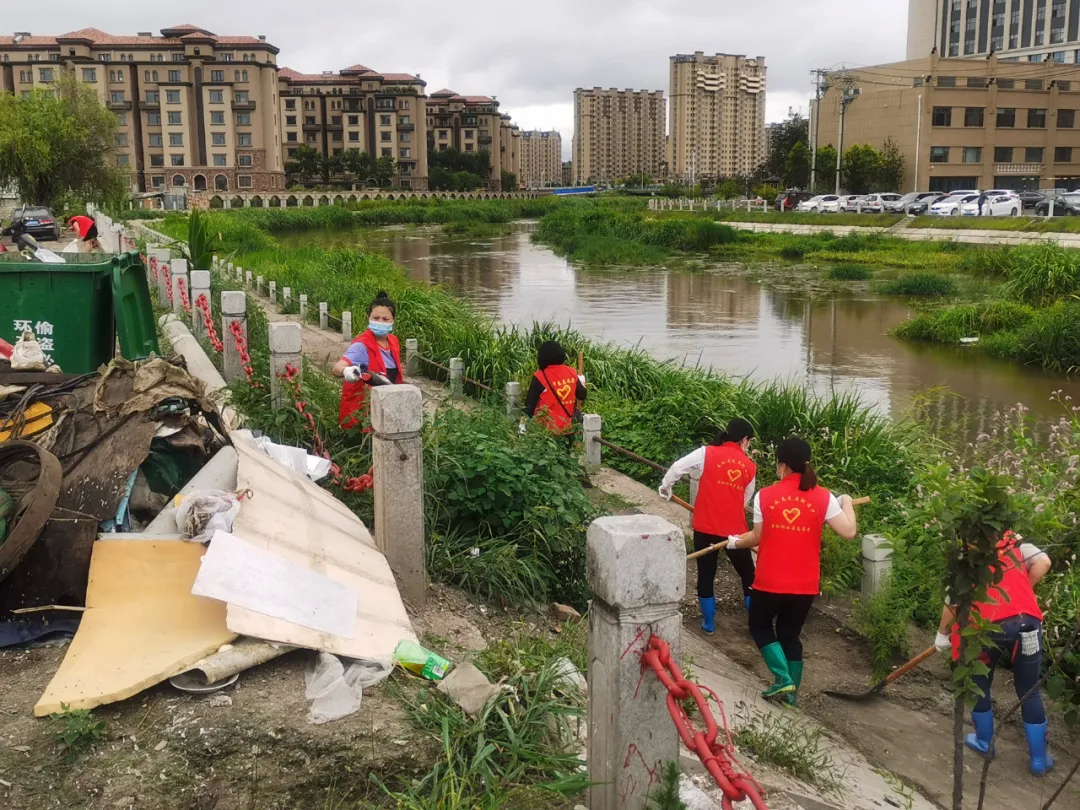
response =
{"points": [[118, 105], [244, 106], [405, 127], [314, 127], [334, 127], [484, 139], [149, 105]]}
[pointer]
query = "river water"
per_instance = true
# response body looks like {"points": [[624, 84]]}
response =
{"points": [[734, 325]]}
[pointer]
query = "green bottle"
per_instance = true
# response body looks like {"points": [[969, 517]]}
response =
{"points": [[421, 661]]}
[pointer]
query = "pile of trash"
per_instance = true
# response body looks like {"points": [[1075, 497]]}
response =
{"points": [[171, 549]]}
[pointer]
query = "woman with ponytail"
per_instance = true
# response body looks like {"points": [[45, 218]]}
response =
{"points": [[374, 350], [789, 518], [727, 482]]}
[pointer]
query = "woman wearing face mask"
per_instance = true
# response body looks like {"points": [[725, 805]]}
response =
{"points": [[375, 350], [728, 480], [789, 518]]}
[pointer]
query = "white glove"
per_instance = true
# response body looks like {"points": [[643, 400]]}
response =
{"points": [[521, 428], [665, 491], [942, 642], [353, 374], [581, 378], [732, 540]]}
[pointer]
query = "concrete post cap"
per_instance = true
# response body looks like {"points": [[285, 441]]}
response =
{"points": [[396, 409], [233, 302], [636, 560], [876, 548], [200, 278], [286, 337]]}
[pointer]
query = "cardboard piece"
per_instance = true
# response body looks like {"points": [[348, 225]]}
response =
{"points": [[142, 625]]}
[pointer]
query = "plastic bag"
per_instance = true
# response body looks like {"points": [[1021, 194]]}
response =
{"points": [[200, 514], [295, 458], [27, 354], [334, 690]]}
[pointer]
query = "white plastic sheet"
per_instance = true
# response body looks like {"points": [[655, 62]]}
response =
{"points": [[200, 514], [295, 458], [335, 690]]}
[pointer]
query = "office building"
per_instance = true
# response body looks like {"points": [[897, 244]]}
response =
{"points": [[195, 110], [617, 133], [717, 126], [382, 114], [1016, 30], [966, 123], [541, 159]]}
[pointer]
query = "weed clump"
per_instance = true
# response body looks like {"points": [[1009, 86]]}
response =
{"points": [[76, 730], [924, 284], [848, 272]]}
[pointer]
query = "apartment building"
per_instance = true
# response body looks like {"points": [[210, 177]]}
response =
{"points": [[617, 133], [510, 147], [382, 114], [467, 124], [966, 123], [541, 159], [717, 126], [195, 110], [1016, 30]]}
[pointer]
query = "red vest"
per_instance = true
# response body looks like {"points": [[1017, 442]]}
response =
{"points": [[720, 507], [1010, 597], [789, 555], [354, 395], [558, 401]]}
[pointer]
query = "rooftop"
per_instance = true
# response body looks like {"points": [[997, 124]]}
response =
{"points": [[176, 35], [351, 75]]}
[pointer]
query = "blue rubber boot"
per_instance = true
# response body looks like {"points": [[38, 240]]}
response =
{"points": [[708, 614], [1041, 761], [982, 741], [746, 602]]}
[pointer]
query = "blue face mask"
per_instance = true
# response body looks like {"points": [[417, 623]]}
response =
{"points": [[380, 329]]}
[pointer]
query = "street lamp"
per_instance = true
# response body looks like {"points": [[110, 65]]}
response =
{"points": [[847, 96]]}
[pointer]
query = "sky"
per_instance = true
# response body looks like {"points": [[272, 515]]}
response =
{"points": [[530, 55]]}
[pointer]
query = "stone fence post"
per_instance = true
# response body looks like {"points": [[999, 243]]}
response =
{"points": [[324, 315], [233, 310], [179, 279], [590, 432], [303, 307], [200, 285], [248, 280], [260, 285], [164, 267], [397, 414], [286, 343], [457, 376], [877, 563], [346, 326], [286, 297], [273, 292], [412, 356], [513, 400], [637, 572]]}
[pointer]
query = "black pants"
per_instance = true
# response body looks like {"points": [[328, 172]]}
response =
{"points": [[788, 611], [741, 558]]}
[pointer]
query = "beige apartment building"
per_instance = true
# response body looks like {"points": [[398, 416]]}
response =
{"points": [[717, 126], [195, 110], [966, 123], [510, 148], [617, 133], [382, 114], [467, 124], [541, 160]]}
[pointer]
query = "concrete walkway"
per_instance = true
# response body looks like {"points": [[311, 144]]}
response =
{"points": [[975, 237]]}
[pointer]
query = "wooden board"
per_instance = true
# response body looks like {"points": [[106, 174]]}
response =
{"points": [[141, 626]]}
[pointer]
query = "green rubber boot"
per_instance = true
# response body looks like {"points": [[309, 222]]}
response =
{"points": [[778, 666], [795, 668]]}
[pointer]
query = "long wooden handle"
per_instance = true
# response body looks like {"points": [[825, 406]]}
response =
{"points": [[581, 362], [910, 665], [854, 502]]}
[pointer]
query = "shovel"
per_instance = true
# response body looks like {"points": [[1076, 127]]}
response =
{"points": [[899, 673]]}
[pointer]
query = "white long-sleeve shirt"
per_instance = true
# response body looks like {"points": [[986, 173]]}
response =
{"points": [[694, 464]]}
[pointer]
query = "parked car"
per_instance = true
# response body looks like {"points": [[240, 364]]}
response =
{"points": [[950, 206], [901, 206], [1031, 198], [994, 204], [811, 204], [829, 204], [849, 203], [1065, 205], [921, 207], [875, 203], [36, 221], [788, 200]]}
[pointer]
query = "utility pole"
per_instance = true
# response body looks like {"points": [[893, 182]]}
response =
{"points": [[820, 86], [848, 93]]}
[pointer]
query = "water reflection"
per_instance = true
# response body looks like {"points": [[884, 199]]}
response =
{"points": [[723, 321]]}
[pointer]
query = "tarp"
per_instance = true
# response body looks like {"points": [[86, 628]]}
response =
{"points": [[142, 625]]}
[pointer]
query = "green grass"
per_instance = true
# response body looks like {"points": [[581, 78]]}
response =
{"points": [[1025, 222], [789, 743], [806, 218], [950, 324], [923, 284], [848, 272]]}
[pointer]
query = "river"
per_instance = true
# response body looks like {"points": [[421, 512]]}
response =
{"points": [[745, 329]]}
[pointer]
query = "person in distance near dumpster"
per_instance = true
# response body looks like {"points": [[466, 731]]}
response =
{"points": [[84, 228], [1012, 606], [789, 518], [375, 350], [555, 391], [728, 480]]}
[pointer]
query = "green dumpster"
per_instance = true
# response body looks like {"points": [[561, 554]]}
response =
{"points": [[76, 310]]}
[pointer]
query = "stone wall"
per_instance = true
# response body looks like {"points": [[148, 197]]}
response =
{"points": [[311, 199]]}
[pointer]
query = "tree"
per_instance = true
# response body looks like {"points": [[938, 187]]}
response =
{"points": [[782, 141], [385, 168], [358, 164], [727, 190], [306, 164], [891, 169], [861, 169], [452, 170], [797, 168], [508, 180], [59, 142], [826, 169], [332, 165]]}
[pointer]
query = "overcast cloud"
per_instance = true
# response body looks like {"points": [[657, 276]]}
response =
{"points": [[530, 55]]}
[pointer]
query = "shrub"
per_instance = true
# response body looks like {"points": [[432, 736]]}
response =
{"points": [[1041, 274], [928, 284], [848, 272], [950, 324], [1052, 338]]}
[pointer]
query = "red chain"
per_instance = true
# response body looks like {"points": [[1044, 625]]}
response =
{"points": [[185, 300], [717, 757], [241, 347], [203, 305], [150, 262], [168, 281]]}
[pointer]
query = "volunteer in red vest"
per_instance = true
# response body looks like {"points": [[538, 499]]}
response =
{"points": [[1011, 604], [555, 391], [789, 518], [727, 481], [84, 228], [375, 349]]}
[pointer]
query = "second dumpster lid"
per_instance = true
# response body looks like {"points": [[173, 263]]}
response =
{"points": [[134, 312]]}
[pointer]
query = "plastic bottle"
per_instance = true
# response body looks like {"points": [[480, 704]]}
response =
{"points": [[421, 661]]}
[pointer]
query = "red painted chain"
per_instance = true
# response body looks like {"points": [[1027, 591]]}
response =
{"points": [[241, 347], [291, 377], [185, 299], [203, 305], [168, 281], [150, 262], [717, 757]]}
